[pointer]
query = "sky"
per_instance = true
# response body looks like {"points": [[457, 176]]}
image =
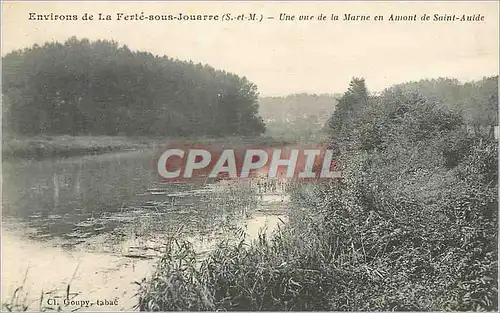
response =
{"points": [[284, 57]]}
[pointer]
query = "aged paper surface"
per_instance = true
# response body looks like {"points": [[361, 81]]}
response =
{"points": [[399, 99]]}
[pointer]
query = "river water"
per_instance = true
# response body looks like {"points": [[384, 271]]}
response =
{"points": [[96, 224]]}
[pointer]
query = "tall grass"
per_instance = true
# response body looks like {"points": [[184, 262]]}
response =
{"points": [[393, 235]]}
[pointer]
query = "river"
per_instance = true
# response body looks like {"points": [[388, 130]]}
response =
{"points": [[96, 224]]}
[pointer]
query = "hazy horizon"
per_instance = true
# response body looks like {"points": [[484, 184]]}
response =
{"points": [[284, 58]]}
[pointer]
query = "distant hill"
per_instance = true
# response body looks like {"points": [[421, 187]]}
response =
{"points": [[296, 116]]}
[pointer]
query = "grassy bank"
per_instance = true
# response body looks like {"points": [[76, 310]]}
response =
{"points": [[64, 146], [42, 146]]}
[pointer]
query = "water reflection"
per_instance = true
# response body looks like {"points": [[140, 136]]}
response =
{"points": [[103, 212], [77, 198]]}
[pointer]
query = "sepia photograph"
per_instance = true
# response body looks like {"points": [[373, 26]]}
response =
{"points": [[249, 156]]}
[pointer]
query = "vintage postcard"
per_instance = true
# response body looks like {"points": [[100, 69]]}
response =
{"points": [[249, 156]]}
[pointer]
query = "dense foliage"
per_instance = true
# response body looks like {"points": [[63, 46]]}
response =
{"points": [[420, 195], [100, 88], [412, 226], [477, 101]]}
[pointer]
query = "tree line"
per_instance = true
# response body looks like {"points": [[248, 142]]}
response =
{"points": [[474, 104], [81, 87]]}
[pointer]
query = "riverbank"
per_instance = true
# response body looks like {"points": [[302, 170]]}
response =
{"points": [[44, 146], [427, 242]]}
